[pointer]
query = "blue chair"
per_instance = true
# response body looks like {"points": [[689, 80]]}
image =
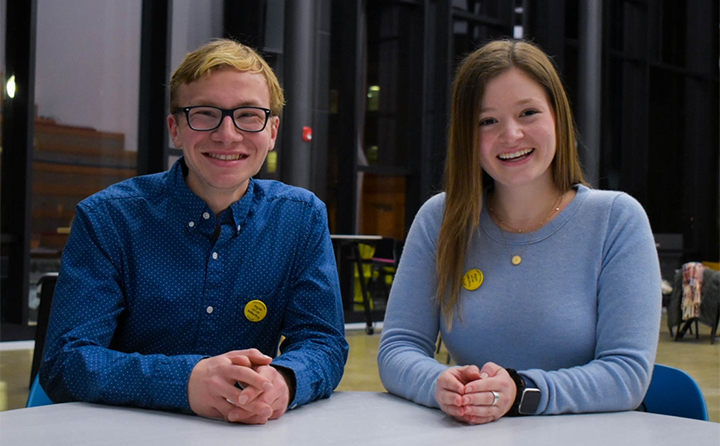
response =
{"points": [[46, 289], [37, 396], [674, 392]]}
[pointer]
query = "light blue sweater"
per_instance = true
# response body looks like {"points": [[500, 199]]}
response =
{"points": [[579, 317]]}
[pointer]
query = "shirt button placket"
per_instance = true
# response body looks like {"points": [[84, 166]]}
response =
{"points": [[212, 318]]}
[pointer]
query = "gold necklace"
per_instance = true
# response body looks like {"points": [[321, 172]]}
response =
{"points": [[517, 258]]}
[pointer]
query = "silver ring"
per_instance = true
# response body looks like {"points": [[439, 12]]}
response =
{"points": [[496, 398]]}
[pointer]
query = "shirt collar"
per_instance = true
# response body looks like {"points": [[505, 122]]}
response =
{"points": [[192, 208]]}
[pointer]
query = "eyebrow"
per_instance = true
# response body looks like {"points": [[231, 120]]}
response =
{"points": [[521, 103], [241, 104]]}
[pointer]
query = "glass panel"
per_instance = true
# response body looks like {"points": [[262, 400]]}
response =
{"points": [[3, 14], [388, 71], [666, 138], [467, 37], [4, 257], [194, 23], [382, 206], [480, 7], [612, 124], [674, 32], [86, 93]]}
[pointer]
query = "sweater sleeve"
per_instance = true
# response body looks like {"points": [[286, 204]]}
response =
{"points": [[406, 354], [629, 304]]}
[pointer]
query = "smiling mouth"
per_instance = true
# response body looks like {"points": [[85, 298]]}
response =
{"points": [[516, 156], [229, 157]]}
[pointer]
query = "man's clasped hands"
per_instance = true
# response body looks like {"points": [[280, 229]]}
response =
{"points": [[263, 394]]}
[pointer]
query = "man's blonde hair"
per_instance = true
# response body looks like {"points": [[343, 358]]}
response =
{"points": [[225, 53]]}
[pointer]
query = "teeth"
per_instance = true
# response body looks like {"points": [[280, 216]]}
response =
{"points": [[518, 154], [233, 157]]}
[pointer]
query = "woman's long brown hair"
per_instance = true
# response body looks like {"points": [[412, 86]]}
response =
{"points": [[464, 177]]}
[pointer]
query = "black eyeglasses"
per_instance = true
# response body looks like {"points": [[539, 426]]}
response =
{"points": [[204, 118]]}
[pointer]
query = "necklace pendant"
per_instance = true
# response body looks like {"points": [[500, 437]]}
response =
{"points": [[516, 260]]}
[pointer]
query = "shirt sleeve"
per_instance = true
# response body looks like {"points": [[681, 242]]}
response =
{"points": [[79, 363], [410, 330], [314, 348], [629, 304]]}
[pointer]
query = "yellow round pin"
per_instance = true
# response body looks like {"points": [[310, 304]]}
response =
{"points": [[473, 279], [255, 310]]}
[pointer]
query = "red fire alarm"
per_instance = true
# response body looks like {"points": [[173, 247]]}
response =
{"points": [[307, 134]]}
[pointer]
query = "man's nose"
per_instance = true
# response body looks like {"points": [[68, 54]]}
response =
{"points": [[227, 132]]}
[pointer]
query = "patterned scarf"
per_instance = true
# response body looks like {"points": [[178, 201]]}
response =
{"points": [[692, 290]]}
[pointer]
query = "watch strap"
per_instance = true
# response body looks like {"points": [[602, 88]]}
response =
{"points": [[520, 387]]}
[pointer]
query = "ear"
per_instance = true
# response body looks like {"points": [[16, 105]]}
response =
{"points": [[274, 124], [174, 130]]}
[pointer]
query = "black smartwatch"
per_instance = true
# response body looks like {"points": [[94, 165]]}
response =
{"points": [[527, 399]]}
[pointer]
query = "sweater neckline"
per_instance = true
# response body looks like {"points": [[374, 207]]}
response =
{"points": [[491, 230]]}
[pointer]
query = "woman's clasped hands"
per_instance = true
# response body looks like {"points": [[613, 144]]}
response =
{"points": [[474, 395]]}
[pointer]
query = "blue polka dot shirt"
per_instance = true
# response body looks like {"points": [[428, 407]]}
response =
{"points": [[151, 282]]}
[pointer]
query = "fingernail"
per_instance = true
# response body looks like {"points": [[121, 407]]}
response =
{"points": [[232, 417], [266, 413], [466, 400], [267, 386], [243, 399], [484, 375]]}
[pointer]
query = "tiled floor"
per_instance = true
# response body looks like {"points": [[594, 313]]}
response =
{"points": [[696, 356]]}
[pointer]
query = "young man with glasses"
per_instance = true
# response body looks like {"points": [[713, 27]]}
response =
{"points": [[176, 288]]}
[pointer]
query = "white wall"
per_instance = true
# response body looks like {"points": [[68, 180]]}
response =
{"points": [[88, 58], [88, 64]]}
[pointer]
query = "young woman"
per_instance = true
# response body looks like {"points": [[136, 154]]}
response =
{"points": [[546, 292]]}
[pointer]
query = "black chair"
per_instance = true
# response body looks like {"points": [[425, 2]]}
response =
{"points": [[384, 264], [45, 289]]}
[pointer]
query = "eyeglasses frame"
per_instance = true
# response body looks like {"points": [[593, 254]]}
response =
{"points": [[225, 112]]}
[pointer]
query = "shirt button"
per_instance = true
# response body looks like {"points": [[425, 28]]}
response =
{"points": [[209, 310], [215, 256], [239, 227], [191, 224], [206, 215]]}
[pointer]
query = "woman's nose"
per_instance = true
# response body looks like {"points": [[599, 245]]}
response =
{"points": [[511, 131]]}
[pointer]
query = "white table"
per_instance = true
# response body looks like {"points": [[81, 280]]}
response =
{"points": [[347, 418], [355, 238]]}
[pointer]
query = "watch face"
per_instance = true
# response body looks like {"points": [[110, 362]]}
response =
{"points": [[529, 402]]}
